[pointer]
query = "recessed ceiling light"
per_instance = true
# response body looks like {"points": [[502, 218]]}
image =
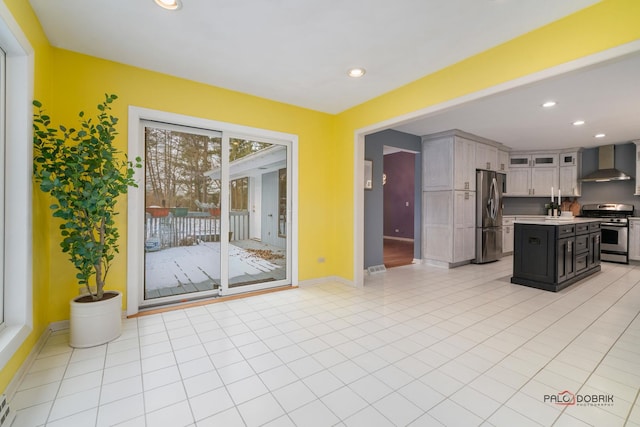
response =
{"points": [[357, 72], [600, 135], [578, 123], [169, 4], [549, 104]]}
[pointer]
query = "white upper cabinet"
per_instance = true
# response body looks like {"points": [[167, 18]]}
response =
{"points": [[542, 179], [519, 182], [532, 174], [503, 161], [569, 159], [448, 164], [486, 157], [519, 161], [464, 172], [570, 171], [437, 164], [544, 160]]}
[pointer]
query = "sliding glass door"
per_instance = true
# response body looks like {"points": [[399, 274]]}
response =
{"points": [[216, 211], [257, 215]]}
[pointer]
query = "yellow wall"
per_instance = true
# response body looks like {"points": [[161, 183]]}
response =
{"points": [[67, 82], [81, 82]]}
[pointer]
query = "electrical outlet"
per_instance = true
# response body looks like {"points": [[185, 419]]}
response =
{"points": [[321, 260]]}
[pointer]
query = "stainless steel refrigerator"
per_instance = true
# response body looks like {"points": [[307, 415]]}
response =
{"points": [[489, 188]]}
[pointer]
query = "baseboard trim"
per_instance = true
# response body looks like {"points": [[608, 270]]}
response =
{"points": [[12, 387], [402, 239], [59, 326], [327, 279]]}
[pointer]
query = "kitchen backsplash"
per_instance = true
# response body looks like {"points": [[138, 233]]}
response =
{"points": [[592, 192]]}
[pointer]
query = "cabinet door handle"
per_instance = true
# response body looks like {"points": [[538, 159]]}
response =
{"points": [[533, 191], [569, 246], [488, 165]]}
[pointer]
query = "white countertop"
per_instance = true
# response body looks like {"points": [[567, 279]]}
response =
{"points": [[557, 221]]}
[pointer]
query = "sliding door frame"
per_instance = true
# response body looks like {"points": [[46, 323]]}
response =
{"points": [[226, 208], [136, 196]]}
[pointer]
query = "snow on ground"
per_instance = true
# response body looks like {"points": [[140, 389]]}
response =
{"points": [[198, 263]]}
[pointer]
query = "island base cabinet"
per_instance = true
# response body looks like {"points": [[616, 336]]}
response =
{"points": [[594, 250], [533, 253], [566, 260], [552, 257]]}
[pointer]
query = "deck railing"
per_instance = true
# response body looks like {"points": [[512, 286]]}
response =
{"points": [[172, 231]]}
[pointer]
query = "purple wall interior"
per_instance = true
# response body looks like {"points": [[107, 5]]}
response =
{"points": [[399, 194]]}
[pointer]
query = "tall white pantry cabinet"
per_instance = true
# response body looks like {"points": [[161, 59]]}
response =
{"points": [[449, 164]]}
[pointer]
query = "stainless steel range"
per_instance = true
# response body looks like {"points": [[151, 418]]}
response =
{"points": [[614, 229]]}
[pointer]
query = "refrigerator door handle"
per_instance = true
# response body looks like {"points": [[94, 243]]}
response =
{"points": [[493, 199], [496, 195]]}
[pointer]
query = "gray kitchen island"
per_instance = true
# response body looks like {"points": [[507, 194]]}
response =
{"points": [[552, 254]]}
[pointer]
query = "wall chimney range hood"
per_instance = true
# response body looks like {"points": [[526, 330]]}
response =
{"points": [[606, 171]]}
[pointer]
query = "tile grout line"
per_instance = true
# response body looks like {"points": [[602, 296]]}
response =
{"points": [[538, 333], [612, 345]]}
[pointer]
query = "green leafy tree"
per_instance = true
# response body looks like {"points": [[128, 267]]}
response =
{"points": [[85, 174]]}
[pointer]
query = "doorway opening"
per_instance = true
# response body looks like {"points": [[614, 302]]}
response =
{"points": [[399, 202]]}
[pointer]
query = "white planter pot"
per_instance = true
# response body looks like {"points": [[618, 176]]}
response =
{"points": [[95, 323]]}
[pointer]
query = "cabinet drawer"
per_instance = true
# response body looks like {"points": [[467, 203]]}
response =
{"points": [[581, 262], [566, 230], [582, 243], [582, 228], [594, 226]]}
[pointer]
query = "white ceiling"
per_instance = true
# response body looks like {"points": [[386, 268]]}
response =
{"points": [[295, 51], [298, 52], [606, 96]]}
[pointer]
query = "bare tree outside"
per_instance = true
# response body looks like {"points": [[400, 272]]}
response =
{"points": [[176, 163]]}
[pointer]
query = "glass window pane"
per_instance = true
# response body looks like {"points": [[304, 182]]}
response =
{"points": [[182, 219]]}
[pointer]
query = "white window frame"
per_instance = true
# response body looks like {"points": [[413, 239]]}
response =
{"points": [[17, 215], [135, 199]]}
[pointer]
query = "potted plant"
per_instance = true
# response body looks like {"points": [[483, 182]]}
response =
{"points": [[85, 174]]}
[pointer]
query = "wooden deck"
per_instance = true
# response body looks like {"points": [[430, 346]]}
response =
{"points": [[187, 273]]}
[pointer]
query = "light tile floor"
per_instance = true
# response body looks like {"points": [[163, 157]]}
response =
{"points": [[418, 346]]}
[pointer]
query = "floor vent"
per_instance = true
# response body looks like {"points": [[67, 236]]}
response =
{"points": [[376, 269], [6, 416]]}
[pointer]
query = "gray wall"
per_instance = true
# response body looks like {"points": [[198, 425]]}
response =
{"points": [[374, 198], [592, 192]]}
